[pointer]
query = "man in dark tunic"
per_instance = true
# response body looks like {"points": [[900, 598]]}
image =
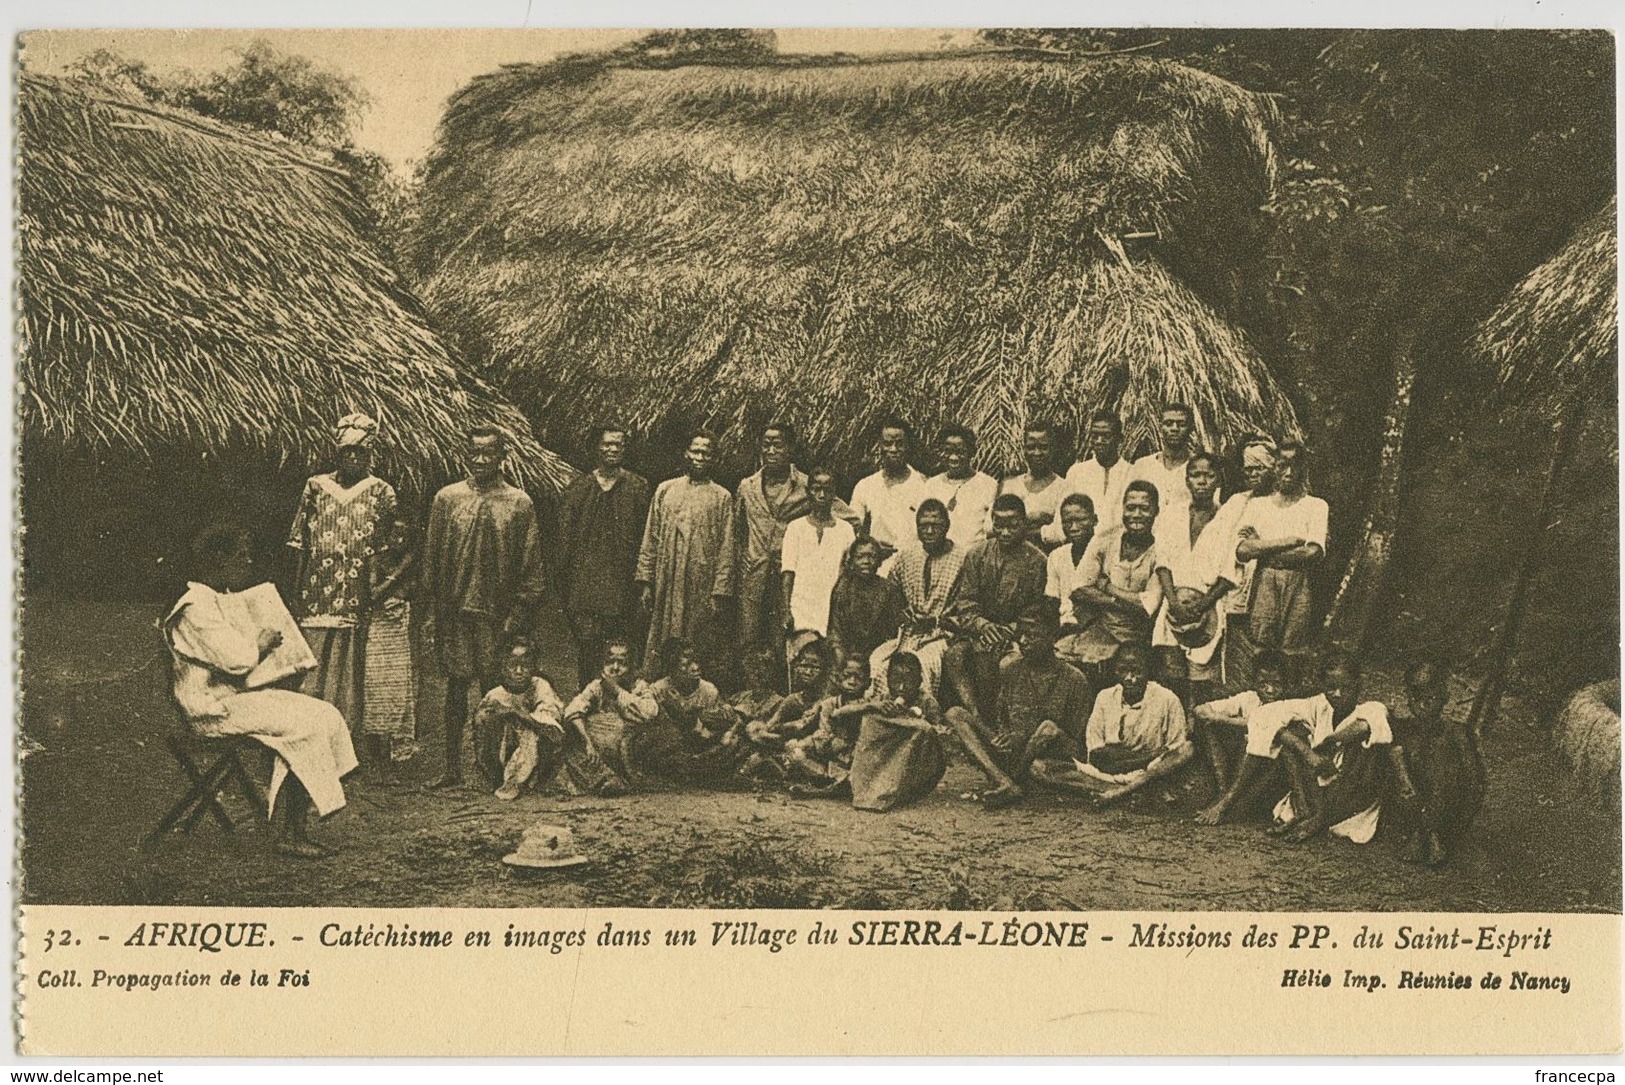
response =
{"points": [[601, 519], [1043, 704], [482, 574], [1003, 577]]}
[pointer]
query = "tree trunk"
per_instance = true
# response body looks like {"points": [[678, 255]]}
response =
{"points": [[1357, 595], [1565, 436]]}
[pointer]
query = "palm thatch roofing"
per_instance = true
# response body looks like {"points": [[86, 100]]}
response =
{"points": [[187, 286], [1557, 332], [950, 238]]}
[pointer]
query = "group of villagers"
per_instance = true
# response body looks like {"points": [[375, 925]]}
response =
{"points": [[1092, 631]]}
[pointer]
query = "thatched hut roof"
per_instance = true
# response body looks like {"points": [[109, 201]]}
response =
{"points": [[830, 240], [187, 286], [1557, 332]]}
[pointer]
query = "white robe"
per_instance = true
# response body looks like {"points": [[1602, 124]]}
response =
{"points": [[211, 655]]}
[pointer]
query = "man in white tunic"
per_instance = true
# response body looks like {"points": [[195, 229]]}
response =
{"points": [[1196, 566], [1103, 474], [1067, 571], [1239, 653], [966, 492], [1165, 468], [1285, 533], [815, 548], [1039, 487], [887, 500], [212, 657]]}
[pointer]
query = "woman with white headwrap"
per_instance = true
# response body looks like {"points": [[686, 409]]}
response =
{"points": [[342, 532]]}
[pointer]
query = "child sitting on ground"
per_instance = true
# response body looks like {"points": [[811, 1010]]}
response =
{"points": [[611, 710], [524, 712], [792, 718], [1326, 744], [758, 700], [900, 753], [686, 697], [1447, 778], [1137, 734], [1220, 730], [696, 738], [822, 760]]}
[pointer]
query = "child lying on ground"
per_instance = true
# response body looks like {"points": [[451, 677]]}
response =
{"points": [[1446, 769]]}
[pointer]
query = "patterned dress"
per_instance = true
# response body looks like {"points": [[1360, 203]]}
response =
{"points": [[931, 589], [340, 535]]}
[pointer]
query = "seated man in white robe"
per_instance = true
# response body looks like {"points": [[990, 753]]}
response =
{"points": [[212, 659]]}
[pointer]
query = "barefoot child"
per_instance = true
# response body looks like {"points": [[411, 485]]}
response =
{"points": [[793, 717], [1137, 734], [611, 709], [1042, 708], [524, 712], [1220, 730], [758, 700], [1326, 744], [694, 740], [899, 756], [1445, 765], [823, 759]]}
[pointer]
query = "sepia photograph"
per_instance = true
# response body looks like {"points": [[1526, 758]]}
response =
{"points": [[1011, 470]]}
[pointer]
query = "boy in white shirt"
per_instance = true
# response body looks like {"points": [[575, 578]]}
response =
{"points": [[1137, 734], [1325, 744], [815, 548], [887, 500], [1067, 570]]}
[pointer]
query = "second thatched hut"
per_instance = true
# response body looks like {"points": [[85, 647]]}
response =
{"points": [[973, 238]]}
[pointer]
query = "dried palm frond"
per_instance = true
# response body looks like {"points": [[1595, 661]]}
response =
{"points": [[831, 240], [188, 286]]}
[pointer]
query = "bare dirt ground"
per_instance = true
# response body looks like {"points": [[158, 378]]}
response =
{"points": [[96, 777]]}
